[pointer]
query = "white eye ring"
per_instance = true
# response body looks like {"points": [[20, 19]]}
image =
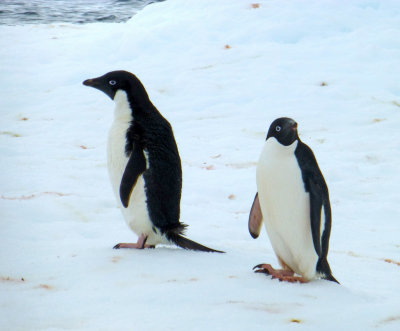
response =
{"points": [[278, 128], [112, 82]]}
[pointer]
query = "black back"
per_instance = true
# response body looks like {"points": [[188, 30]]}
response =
{"points": [[163, 178], [151, 132]]}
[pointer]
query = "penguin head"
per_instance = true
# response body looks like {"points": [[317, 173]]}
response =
{"points": [[284, 130], [113, 81]]}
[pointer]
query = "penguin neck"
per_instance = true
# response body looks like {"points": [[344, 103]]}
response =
{"points": [[139, 102], [275, 147], [122, 111]]}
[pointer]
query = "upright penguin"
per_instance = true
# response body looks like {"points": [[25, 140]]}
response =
{"points": [[291, 196], [144, 164]]}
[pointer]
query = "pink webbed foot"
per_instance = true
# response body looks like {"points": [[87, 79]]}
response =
{"points": [[141, 244], [282, 275]]}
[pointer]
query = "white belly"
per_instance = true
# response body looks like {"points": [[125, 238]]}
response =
{"points": [[136, 215], [286, 207]]}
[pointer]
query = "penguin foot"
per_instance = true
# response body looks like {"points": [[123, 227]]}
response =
{"points": [[269, 270], [129, 245], [293, 279], [282, 275], [141, 244]]}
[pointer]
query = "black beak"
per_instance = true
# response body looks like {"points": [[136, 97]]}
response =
{"points": [[90, 82]]}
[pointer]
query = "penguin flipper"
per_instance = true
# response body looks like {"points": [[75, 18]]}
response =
{"points": [[319, 197], [315, 215], [255, 218], [185, 243], [135, 167]]}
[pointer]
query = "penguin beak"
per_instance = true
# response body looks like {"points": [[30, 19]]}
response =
{"points": [[91, 82]]}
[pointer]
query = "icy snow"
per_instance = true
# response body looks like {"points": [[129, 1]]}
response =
{"points": [[220, 72]]}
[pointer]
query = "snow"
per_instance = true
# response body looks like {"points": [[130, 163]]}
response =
{"points": [[220, 72]]}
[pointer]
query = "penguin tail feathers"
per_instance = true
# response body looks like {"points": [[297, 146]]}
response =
{"points": [[179, 240], [324, 269]]}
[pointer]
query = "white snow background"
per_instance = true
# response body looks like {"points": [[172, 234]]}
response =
{"points": [[220, 72]]}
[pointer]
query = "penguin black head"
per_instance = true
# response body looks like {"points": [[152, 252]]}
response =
{"points": [[113, 81], [284, 130]]}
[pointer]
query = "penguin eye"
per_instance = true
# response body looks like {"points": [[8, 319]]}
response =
{"points": [[278, 128], [112, 82]]}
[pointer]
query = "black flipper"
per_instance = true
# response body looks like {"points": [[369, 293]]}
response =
{"points": [[135, 167], [321, 243], [319, 197], [176, 237], [315, 213]]}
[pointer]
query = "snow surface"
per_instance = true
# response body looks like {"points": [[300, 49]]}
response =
{"points": [[221, 72]]}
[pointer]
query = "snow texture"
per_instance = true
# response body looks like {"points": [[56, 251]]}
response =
{"points": [[220, 72]]}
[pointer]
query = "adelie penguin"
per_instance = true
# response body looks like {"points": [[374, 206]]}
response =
{"points": [[293, 202], [144, 164]]}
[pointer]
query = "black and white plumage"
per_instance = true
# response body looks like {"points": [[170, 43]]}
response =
{"points": [[144, 164], [293, 201]]}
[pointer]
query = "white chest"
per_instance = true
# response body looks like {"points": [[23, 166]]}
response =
{"points": [[286, 207], [116, 158]]}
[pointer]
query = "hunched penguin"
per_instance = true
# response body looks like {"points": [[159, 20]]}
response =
{"points": [[292, 198], [144, 164]]}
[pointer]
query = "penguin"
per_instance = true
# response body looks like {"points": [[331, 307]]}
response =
{"points": [[144, 165], [292, 199]]}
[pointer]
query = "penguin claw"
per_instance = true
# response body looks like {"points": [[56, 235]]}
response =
{"points": [[263, 268], [124, 245], [258, 266]]}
